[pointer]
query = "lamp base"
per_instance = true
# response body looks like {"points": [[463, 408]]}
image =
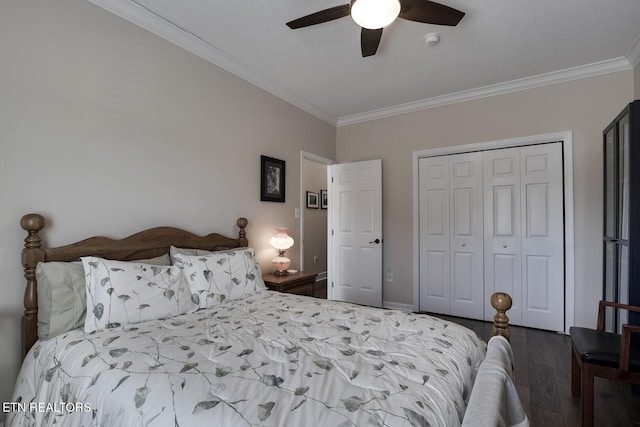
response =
{"points": [[281, 265]]}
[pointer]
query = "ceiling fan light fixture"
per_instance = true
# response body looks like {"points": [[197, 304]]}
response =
{"points": [[374, 14]]}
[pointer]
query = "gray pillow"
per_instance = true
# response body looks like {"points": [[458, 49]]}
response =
{"points": [[62, 300]]}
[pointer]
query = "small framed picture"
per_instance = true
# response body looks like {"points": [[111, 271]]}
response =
{"points": [[324, 201], [312, 200], [272, 174]]}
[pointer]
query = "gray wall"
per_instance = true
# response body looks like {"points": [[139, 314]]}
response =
{"points": [[315, 220]]}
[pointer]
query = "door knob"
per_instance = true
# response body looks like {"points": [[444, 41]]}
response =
{"points": [[375, 241], [504, 246]]}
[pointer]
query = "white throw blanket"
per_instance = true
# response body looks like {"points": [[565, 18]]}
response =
{"points": [[495, 379]]}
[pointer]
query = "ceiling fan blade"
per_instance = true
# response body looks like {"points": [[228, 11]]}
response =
{"points": [[369, 41], [429, 12], [320, 17]]}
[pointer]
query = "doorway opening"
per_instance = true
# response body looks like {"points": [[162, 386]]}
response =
{"points": [[313, 220]]}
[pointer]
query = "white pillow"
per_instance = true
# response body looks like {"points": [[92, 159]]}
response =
{"points": [[121, 293], [221, 276], [173, 250]]}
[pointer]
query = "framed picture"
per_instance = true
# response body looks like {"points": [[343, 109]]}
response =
{"points": [[324, 199], [272, 173], [312, 200]]}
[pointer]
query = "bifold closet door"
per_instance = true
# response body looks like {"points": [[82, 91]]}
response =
{"points": [[524, 233], [502, 227], [451, 242]]}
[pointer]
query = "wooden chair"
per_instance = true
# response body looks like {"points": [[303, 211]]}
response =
{"points": [[596, 353]]}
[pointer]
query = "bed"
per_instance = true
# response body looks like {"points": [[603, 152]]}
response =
{"points": [[225, 357]]}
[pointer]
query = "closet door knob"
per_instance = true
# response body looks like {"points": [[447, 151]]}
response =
{"points": [[504, 246], [377, 241], [464, 244]]}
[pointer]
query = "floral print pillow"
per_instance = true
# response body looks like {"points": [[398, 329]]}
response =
{"points": [[120, 292], [221, 276]]}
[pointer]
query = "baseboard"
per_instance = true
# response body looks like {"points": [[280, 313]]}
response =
{"points": [[393, 306]]}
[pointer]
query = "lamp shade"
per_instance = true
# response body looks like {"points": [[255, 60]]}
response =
{"points": [[374, 14], [281, 241]]}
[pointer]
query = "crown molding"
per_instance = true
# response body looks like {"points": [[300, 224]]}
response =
{"points": [[144, 18], [634, 53], [555, 77]]}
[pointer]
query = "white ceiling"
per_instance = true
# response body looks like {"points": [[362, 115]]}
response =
{"points": [[499, 46]]}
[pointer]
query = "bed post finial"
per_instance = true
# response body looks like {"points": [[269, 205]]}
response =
{"points": [[31, 255], [32, 223], [501, 302], [242, 235]]}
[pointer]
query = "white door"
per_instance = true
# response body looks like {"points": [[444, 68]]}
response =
{"points": [[466, 236], [433, 175], [524, 233], [502, 230], [451, 227], [542, 237], [355, 221]]}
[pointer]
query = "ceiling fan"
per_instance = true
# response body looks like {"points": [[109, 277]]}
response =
{"points": [[374, 15]]}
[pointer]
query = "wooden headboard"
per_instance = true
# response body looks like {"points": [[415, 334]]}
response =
{"points": [[145, 244]]}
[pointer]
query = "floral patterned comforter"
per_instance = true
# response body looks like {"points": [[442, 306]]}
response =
{"points": [[271, 359]]}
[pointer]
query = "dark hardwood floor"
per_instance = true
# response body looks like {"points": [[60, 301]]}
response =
{"points": [[543, 379]]}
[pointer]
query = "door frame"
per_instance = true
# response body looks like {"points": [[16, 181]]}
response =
{"points": [[567, 162], [305, 155]]}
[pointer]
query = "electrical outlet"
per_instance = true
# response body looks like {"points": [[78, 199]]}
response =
{"points": [[389, 276], [315, 259]]}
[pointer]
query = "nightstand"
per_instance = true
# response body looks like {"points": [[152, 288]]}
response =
{"points": [[300, 283]]}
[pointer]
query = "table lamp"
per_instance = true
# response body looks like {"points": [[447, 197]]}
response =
{"points": [[281, 242]]}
